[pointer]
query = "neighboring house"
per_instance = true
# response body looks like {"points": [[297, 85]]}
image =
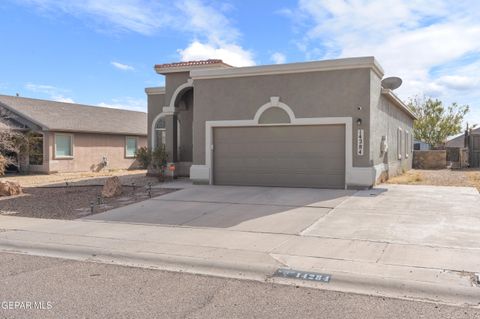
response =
{"points": [[472, 142], [72, 137], [421, 146], [459, 139], [326, 124]]}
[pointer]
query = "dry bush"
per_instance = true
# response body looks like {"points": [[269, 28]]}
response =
{"points": [[3, 164], [409, 177]]}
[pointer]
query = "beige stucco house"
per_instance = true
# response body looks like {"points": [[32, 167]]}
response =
{"points": [[327, 124], [72, 137]]}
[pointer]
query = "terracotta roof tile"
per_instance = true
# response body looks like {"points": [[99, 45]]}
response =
{"points": [[190, 63]]}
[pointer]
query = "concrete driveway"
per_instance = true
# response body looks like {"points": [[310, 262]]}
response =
{"points": [[406, 241], [407, 214], [261, 209]]}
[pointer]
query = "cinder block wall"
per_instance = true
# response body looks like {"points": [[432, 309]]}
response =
{"points": [[433, 159]]}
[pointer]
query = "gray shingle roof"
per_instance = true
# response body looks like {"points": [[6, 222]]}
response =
{"points": [[59, 116], [459, 140]]}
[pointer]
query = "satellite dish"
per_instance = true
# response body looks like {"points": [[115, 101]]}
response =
{"points": [[391, 83]]}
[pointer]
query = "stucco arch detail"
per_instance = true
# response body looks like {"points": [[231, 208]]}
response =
{"points": [[180, 89], [274, 102]]}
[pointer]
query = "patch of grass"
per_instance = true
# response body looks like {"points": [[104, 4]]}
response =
{"points": [[474, 178], [407, 178]]}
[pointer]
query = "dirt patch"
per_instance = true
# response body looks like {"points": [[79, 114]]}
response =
{"points": [[70, 202], [442, 177], [81, 178]]}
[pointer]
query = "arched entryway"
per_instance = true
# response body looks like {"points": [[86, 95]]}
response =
{"points": [[184, 117], [173, 128]]}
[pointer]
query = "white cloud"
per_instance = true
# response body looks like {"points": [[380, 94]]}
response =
{"points": [[121, 66], [278, 58], [219, 39], [457, 82], [229, 53], [61, 98], [50, 92], [139, 16], [207, 21], [207, 24], [126, 103], [416, 40]]}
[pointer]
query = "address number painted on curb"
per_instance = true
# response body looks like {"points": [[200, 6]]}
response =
{"points": [[303, 275]]}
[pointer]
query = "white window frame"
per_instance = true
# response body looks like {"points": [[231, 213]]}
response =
{"points": [[71, 146], [126, 145], [407, 144], [399, 143]]}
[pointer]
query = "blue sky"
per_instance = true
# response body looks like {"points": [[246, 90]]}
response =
{"points": [[102, 52]]}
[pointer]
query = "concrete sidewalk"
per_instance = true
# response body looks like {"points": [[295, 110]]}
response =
{"points": [[356, 265]]}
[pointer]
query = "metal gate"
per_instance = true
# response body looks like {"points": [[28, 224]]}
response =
{"points": [[474, 147]]}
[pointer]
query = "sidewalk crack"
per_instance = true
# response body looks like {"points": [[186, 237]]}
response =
{"points": [[382, 253]]}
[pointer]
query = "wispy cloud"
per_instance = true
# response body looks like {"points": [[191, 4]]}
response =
{"points": [[126, 103], [121, 66], [412, 41], [230, 53], [278, 58], [141, 16], [50, 92], [215, 37]]}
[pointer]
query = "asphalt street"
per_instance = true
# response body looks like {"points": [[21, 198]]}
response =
{"points": [[71, 289]]}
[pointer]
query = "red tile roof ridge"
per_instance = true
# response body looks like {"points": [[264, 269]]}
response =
{"points": [[190, 63]]}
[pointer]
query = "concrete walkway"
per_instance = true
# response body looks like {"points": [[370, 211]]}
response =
{"points": [[400, 241]]}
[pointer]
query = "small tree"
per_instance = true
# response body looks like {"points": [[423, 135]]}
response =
{"points": [[160, 157], [435, 121], [144, 156], [13, 145]]}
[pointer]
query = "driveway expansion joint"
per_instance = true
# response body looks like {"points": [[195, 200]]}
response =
{"points": [[241, 203]]}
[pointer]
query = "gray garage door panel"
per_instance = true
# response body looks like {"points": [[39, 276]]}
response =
{"points": [[292, 156]]}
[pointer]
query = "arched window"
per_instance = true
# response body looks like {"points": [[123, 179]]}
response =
{"points": [[160, 132]]}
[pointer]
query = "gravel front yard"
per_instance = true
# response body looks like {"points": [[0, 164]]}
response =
{"points": [[71, 202], [81, 178], [442, 177], [48, 196]]}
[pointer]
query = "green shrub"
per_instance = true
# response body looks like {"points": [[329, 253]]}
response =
{"points": [[144, 156], [159, 157]]}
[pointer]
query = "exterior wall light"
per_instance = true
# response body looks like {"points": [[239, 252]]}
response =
{"points": [[359, 122]]}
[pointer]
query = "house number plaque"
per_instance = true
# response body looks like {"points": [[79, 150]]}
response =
{"points": [[360, 142]]}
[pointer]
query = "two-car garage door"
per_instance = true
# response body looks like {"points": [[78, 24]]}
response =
{"points": [[289, 156]]}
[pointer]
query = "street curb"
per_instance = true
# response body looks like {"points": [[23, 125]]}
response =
{"points": [[340, 281], [167, 262]]}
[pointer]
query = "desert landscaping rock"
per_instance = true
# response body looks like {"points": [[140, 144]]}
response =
{"points": [[8, 188], [82, 178], [112, 187], [67, 202]]}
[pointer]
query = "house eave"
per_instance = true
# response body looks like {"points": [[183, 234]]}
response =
{"points": [[155, 90], [301, 67], [96, 132], [28, 118], [399, 103], [190, 68]]}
